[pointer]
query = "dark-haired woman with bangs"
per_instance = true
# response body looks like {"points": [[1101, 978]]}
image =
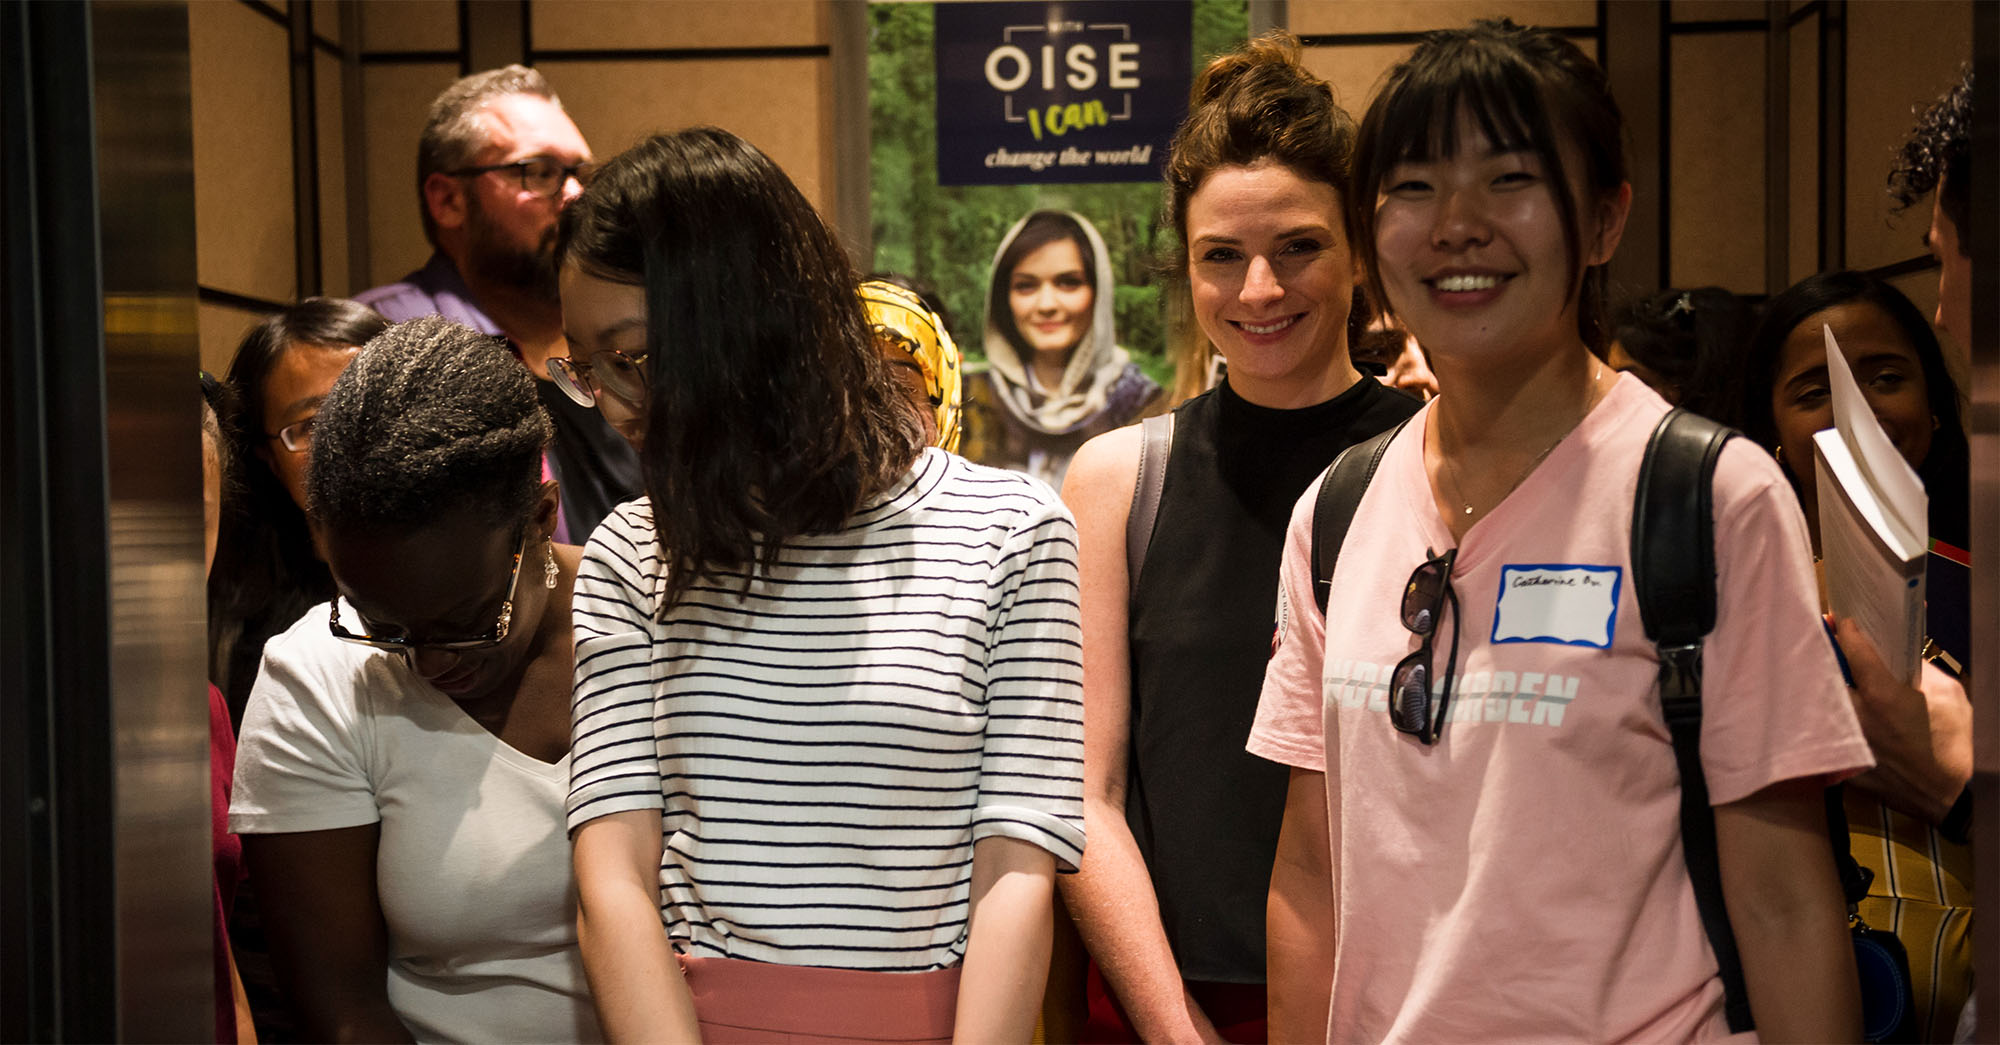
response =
{"points": [[400, 777], [267, 570], [827, 719], [1482, 839]]}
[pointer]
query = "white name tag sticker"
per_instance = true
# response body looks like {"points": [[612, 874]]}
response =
{"points": [[1558, 603]]}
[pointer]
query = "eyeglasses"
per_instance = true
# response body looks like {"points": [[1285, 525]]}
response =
{"points": [[398, 644], [614, 372], [1426, 595], [541, 175], [296, 437]]}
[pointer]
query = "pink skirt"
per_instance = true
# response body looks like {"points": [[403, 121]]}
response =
{"points": [[748, 1003]]}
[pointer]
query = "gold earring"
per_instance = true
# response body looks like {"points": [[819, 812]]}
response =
{"points": [[1779, 453], [550, 571]]}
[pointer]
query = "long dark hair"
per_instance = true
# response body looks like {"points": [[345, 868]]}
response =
{"points": [[1944, 469], [1692, 339], [267, 570], [1528, 90], [770, 414]]}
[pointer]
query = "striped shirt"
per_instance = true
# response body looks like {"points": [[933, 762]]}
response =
{"points": [[826, 748]]}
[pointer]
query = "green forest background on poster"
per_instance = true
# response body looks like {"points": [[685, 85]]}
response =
{"points": [[946, 235]]}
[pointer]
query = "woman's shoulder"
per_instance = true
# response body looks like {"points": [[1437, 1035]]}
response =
{"points": [[999, 494]]}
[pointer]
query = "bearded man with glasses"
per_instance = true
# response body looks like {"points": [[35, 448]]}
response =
{"points": [[498, 161]]}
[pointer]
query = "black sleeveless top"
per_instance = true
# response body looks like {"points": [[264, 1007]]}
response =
{"points": [[1204, 811]]}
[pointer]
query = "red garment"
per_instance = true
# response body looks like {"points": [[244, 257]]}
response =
{"points": [[742, 1002], [1237, 1011], [228, 856]]}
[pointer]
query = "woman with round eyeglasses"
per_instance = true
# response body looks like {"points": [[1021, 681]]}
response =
{"points": [[620, 377], [403, 762], [1480, 765], [828, 720], [267, 569], [913, 341]]}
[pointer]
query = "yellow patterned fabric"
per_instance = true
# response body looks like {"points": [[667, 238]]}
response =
{"points": [[1922, 892], [900, 319]]}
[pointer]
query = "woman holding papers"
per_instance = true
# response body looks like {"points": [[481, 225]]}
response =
{"points": [[1480, 767], [1922, 737]]}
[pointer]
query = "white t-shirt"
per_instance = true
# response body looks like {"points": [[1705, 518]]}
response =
{"points": [[473, 866], [1522, 880], [826, 749]]}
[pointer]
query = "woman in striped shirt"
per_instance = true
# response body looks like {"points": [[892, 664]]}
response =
{"points": [[828, 724]]}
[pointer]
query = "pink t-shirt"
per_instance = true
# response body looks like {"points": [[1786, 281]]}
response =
{"points": [[1523, 879]]}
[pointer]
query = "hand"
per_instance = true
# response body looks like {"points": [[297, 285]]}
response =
{"points": [[1921, 736]]}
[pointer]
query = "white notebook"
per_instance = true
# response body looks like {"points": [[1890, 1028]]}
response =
{"points": [[1874, 530]]}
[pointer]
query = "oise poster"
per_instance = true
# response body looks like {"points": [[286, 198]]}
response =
{"points": [[983, 114]]}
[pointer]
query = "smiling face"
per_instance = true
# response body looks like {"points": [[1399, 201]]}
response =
{"points": [[447, 582], [1886, 366], [1051, 298], [293, 388], [600, 316], [1273, 282], [1473, 254]]}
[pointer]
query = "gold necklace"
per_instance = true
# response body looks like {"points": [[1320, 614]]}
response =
{"points": [[1451, 468]]}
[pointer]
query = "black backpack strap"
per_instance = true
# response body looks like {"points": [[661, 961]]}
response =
{"points": [[1673, 578], [1339, 495], [1156, 441]]}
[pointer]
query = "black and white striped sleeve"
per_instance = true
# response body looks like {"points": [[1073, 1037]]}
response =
{"points": [[1031, 768], [614, 761]]}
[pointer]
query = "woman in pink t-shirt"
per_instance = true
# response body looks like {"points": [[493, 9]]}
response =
{"points": [[1481, 838]]}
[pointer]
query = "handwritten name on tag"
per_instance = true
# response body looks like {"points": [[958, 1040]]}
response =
{"points": [[1558, 603]]}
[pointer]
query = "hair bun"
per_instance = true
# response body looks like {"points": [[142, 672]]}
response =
{"points": [[1272, 56]]}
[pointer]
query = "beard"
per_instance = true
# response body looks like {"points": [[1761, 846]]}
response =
{"points": [[531, 272]]}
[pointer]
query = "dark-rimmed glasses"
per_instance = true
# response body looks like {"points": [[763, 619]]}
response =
{"points": [[404, 645], [541, 175], [1424, 600], [614, 372]]}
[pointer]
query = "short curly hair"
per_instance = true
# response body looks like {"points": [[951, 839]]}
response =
{"points": [[431, 419], [1937, 156]]}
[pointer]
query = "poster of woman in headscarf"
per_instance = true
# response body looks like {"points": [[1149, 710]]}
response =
{"points": [[1015, 167]]}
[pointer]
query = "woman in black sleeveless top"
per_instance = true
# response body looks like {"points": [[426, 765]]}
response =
{"points": [[1183, 823]]}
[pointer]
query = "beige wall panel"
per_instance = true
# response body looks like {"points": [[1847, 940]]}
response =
{"points": [[332, 179], [409, 25], [1921, 288], [1354, 70], [326, 19], [1373, 16], [241, 87], [778, 104], [1802, 209], [1715, 194], [1899, 56], [394, 99], [1716, 10], [581, 24], [222, 327]]}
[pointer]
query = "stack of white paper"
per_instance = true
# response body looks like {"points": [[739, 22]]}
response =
{"points": [[1873, 523]]}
